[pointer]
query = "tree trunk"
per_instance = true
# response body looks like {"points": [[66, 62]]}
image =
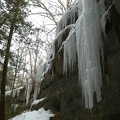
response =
{"points": [[4, 74]]}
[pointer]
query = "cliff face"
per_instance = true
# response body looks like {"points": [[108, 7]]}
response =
{"points": [[63, 92]]}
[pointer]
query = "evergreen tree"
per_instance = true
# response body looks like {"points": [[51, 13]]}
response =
{"points": [[13, 16]]}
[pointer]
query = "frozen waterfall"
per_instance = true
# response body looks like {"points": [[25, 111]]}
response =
{"points": [[85, 41]]}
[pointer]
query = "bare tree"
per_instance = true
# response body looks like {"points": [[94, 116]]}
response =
{"points": [[50, 12]]}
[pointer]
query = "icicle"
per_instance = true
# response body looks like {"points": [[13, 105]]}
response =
{"points": [[40, 71], [39, 76], [59, 39], [29, 89], [18, 92], [101, 8], [79, 8], [37, 101], [69, 51], [14, 93], [36, 91], [88, 42], [70, 16], [103, 23], [83, 44], [15, 106]]}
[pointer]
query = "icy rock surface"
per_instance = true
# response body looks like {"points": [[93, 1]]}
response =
{"points": [[84, 45]]}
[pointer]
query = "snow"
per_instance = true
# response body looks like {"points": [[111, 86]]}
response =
{"points": [[15, 91], [41, 114], [8, 93], [37, 101]]}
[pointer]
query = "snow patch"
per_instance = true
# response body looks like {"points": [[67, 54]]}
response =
{"points": [[41, 114], [38, 101], [15, 91], [8, 93]]}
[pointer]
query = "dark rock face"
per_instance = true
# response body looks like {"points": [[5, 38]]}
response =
{"points": [[64, 95]]}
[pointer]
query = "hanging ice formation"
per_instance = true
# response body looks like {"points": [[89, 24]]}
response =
{"points": [[14, 93], [42, 69], [68, 18], [60, 38], [39, 77], [28, 90], [70, 51], [84, 45]]}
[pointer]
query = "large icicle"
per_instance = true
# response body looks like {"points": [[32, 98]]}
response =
{"points": [[88, 38], [39, 76], [69, 51], [89, 45], [28, 90], [59, 38], [14, 93]]}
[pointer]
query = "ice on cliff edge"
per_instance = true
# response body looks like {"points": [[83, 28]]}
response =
{"points": [[84, 45]]}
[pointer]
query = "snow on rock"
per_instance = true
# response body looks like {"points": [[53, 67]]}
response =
{"points": [[15, 91], [37, 101], [41, 114], [8, 93]]}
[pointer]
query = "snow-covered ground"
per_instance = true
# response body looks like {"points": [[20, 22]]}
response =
{"points": [[41, 114]]}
